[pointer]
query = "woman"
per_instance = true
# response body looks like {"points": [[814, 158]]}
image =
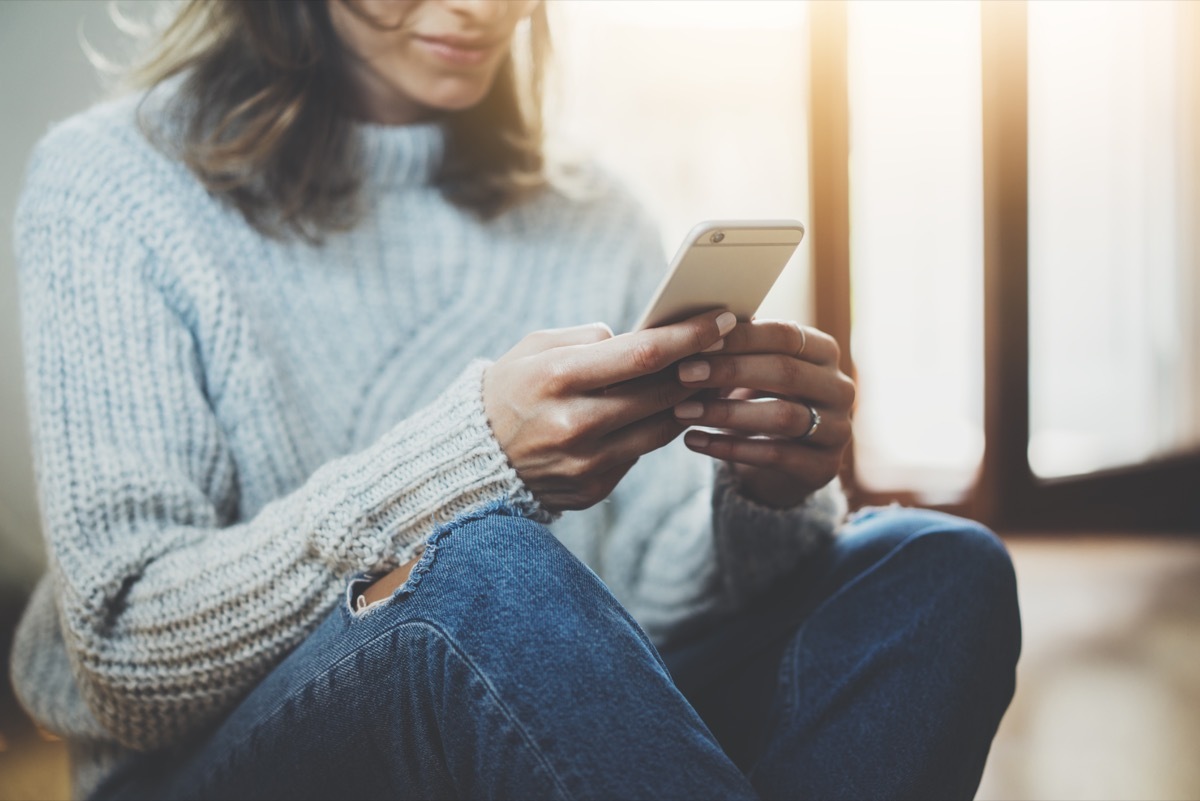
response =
{"points": [[277, 314]]}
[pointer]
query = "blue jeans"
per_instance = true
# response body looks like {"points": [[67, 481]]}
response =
{"points": [[505, 668]]}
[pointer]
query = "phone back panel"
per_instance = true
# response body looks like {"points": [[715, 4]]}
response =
{"points": [[724, 264]]}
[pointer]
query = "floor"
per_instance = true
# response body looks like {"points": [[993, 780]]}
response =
{"points": [[1108, 687], [1108, 695]]}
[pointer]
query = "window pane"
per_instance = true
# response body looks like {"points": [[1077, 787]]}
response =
{"points": [[1112, 276], [916, 239], [701, 107]]}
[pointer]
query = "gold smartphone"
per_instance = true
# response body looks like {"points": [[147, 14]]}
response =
{"points": [[730, 264]]}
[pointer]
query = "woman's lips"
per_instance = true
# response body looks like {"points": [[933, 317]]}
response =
{"points": [[460, 52]]}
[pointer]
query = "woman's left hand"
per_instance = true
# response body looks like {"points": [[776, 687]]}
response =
{"points": [[773, 375]]}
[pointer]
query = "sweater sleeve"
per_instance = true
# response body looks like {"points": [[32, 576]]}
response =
{"points": [[171, 607], [709, 549]]}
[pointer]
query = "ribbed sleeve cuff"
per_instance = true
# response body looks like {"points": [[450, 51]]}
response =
{"points": [[42, 676], [757, 543], [437, 464]]}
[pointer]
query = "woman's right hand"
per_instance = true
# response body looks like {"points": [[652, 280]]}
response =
{"points": [[574, 408]]}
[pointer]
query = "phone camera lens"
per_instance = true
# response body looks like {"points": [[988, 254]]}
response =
{"points": [[716, 238]]}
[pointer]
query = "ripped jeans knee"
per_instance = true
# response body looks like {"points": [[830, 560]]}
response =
{"points": [[495, 537]]}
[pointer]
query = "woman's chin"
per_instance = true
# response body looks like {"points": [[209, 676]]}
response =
{"points": [[455, 95]]}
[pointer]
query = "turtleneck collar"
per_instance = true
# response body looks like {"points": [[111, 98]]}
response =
{"points": [[400, 155]]}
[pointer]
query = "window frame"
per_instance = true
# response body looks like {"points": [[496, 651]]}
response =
{"points": [[1162, 494]]}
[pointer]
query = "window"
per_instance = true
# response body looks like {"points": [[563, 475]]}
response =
{"points": [[1003, 197], [916, 244], [1112, 276], [700, 107]]}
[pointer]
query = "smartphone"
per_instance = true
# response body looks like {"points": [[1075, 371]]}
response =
{"points": [[730, 264]]}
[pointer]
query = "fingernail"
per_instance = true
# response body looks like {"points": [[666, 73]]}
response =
{"points": [[693, 371], [726, 322], [696, 439], [720, 343], [689, 410]]}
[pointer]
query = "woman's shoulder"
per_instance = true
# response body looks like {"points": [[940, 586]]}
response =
{"points": [[589, 186], [92, 146], [587, 198], [100, 167]]}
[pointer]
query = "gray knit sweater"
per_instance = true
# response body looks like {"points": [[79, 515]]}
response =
{"points": [[227, 426]]}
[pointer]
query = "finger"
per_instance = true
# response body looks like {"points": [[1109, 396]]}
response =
{"points": [[773, 373], [568, 494], [811, 466], [626, 403], [640, 353], [548, 338], [783, 336], [639, 438], [767, 416]]}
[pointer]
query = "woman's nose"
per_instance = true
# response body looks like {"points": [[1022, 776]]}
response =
{"points": [[489, 12], [485, 12]]}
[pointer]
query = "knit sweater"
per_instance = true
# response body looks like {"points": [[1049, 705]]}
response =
{"points": [[227, 426]]}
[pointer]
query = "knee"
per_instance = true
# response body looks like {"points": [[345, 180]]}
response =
{"points": [[961, 568], [504, 594], [974, 582], [496, 568], [497, 551], [966, 549]]}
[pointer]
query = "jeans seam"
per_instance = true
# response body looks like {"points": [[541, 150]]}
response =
{"points": [[791, 691], [492, 693]]}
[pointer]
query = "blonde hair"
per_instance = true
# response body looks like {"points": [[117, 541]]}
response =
{"points": [[261, 116]]}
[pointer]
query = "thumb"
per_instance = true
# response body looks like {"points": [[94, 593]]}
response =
{"points": [[549, 338]]}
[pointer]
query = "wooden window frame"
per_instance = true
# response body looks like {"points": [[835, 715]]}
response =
{"points": [[1163, 494]]}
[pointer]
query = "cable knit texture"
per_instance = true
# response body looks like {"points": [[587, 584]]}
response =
{"points": [[227, 426]]}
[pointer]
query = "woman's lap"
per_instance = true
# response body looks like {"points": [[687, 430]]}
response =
{"points": [[528, 679], [509, 670], [880, 669]]}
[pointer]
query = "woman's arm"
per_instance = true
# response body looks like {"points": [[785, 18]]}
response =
{"points": [[173, 604], [170, 609]]}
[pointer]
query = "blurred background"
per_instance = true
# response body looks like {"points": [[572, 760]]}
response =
{"points": [[1002, 202]]}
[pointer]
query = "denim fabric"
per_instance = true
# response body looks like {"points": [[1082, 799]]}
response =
{"points": [[505, 669]]}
